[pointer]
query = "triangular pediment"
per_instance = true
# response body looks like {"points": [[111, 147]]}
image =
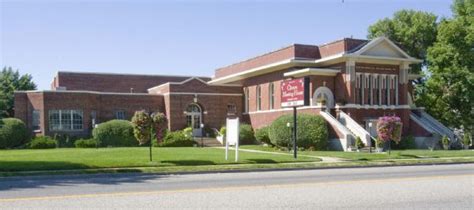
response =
{"points": [[382, 47]]}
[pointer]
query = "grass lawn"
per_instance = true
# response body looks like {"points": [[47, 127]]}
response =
{"points": [[74, 158], [362, 156]]}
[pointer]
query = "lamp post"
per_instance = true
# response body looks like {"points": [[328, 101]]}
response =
{"points": [[288, 125], [370, 139], [202, 131]]}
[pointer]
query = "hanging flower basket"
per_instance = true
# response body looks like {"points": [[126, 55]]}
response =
{"points": [[389, 128]]}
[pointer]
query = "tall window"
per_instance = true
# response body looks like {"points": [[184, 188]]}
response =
{"points": [[246, 100], [369, 92], [271, 95], [120, 115], [387, 91], [360, 91], [376, 90], [36, 120], [65, 120], [259, 98]]}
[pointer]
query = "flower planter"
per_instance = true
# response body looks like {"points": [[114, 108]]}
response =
{"points": [[466, 147], [379, 149], [446, 147]]}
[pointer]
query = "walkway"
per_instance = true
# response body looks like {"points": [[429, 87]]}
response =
{"points": [[323, 159]]}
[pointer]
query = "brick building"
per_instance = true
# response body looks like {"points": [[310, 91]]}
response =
{"points": [[359, 80]]}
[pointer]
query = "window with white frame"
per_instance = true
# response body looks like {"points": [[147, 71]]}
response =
{"points": [[36, 120], [259, 98], [65, 120], [271, 95], [120, 115]]}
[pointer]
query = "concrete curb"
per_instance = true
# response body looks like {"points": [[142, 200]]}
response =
{"points": [[131, 170]]}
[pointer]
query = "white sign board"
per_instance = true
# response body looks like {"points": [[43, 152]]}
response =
{"points": [[232, 136]]}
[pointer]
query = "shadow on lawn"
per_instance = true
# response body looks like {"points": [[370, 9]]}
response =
{"points": [[189, 162], [42, 181], [262, 161]]}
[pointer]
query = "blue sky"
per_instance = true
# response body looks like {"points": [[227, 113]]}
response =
{"points": [[175, 37]]}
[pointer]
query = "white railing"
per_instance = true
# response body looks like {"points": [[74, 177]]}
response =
{"points": [[355, 128], [348, 138], [437, 125]]}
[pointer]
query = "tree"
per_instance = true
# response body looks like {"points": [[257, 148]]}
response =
{"points": [[448, 93], [414, 31], [11, 81], [160, 125], [142, 128]]}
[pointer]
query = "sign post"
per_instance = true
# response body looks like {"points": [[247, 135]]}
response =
{"points": [[232, 137], [295, 93]]}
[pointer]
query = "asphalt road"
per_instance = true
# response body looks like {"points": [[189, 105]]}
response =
{"points": [[409, 187]]}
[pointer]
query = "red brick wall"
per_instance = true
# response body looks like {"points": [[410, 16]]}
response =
{"points": [[214, 108], [417, 130], [293, 51], [105, 106], [112, 82]]}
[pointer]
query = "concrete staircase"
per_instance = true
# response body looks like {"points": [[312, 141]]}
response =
{"points": [[208, 142], [432, 125]]}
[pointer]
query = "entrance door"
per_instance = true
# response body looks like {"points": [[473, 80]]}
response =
{"points": [[194, 118]]}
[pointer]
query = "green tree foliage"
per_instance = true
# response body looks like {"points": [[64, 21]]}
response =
{"points": [[10, 81], [414, 31], [448, 94], [142, 126]]}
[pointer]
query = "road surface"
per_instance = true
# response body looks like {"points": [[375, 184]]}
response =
{"points": [[409, 187]]}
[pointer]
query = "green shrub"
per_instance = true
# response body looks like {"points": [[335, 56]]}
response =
{"points": [[177, 139], [312, 131], [117, 133], [359, 143], [466, 140], [43, 142], [261, 135], [13, 133], [188, 132], [445, 141], [246, 134], [407, 142], [85, 143], [64, 140], [222, 130]]}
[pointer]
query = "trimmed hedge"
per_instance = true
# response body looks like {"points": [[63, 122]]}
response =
{"points": [[246, 134], [13, 133], [177, 139], [116, 133], [261, 135], [85, 143], [312, 131], [43, 142]]}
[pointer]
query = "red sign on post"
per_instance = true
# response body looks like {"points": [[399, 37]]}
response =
{"points": [[295, 92]]}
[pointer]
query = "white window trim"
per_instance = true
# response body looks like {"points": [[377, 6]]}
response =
{"points": [[72, 120]]}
